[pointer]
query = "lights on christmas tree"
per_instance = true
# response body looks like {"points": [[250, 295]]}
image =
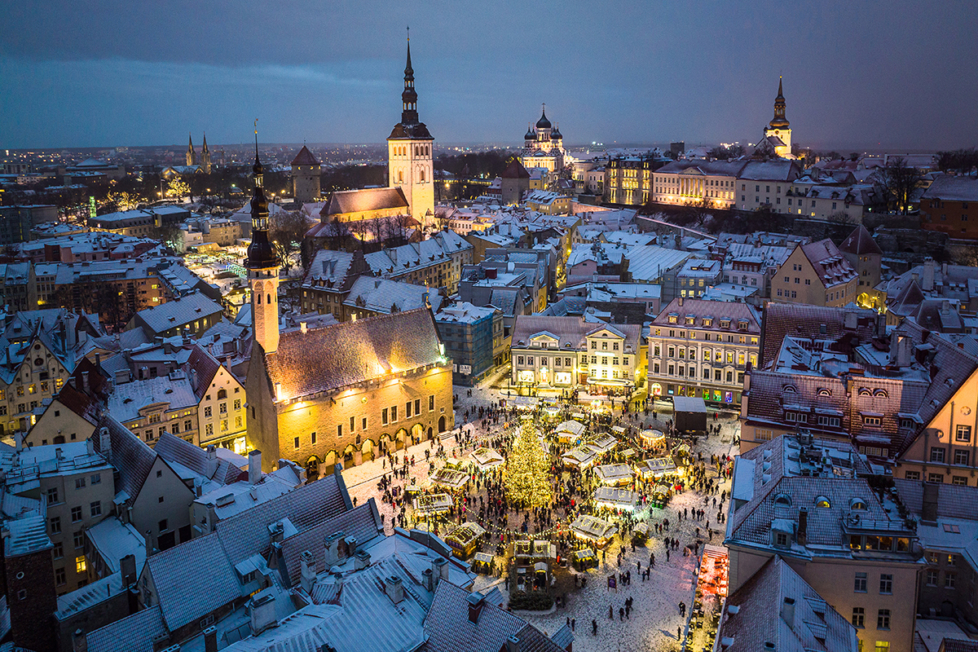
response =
{"points": [[528, 470]]}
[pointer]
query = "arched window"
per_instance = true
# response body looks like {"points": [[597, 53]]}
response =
{"points": [[857, 503], [783, 500], [400, 176], [222, 393], [259, 299], [422, 175], [881, 393], [823, 502], [822, 391], [864, 391], [790, 389], [269, 299]]}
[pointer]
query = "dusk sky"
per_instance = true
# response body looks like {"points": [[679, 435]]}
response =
{"points": [[856, 74]]}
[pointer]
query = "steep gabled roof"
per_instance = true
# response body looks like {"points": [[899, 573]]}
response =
{"points": [[515, 170], [860, 243], [342, 202], [130, 456], [173, 449], [331, 357], [304, 157]]}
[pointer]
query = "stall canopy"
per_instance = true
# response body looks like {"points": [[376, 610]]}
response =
{"points": [[572, 430], [593, 528], [431, 504], [449, 478], [603, 443], [615, 498], [486, 458], [653, 437], [657, 467], [582, 457], [614, 473]]}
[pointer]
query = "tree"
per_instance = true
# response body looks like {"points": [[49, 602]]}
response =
{"points": [[125, 201], [841, 217], [960, 160], [528, 470], [287, 229], [901, 182], [178, 188]]}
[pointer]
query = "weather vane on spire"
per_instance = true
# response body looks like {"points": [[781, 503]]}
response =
{"points": [[256, 137], [409, 34]]}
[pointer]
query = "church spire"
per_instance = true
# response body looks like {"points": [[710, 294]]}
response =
{"points": [[780, 92], [779, 121], [191, 154], [205, 143], [409, 98], [260, 252]]}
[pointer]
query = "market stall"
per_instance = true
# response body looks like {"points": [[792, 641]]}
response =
{"points": [[656, 467], [627, 454], [570, 432], [603, 443], [483, 562], [464, 540], [661, 494], [486, 458], [616, 498], [449, 479], [581, 457], [640, 532], [432, 504], [614, 474], [618, 430], [655, 439], [593, 529], [584, 559]]}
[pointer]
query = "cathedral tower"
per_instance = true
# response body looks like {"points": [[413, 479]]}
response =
{"points": [[191, 155], [409, 154], [262, 265], [205, 158], [779, 127]]}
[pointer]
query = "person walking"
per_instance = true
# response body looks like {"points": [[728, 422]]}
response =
{"points": [[594, 627], [573, 624], [682, 609], [621, 614], [611, 613]]}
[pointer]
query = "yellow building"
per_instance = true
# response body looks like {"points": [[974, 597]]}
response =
{"points": [[341, 392], [816, 274]]}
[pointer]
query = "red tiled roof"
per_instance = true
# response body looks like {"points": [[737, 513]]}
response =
{"points": [[304, 157], [861, 243]]}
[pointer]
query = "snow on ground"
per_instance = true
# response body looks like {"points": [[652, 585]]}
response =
{"points": [[655, 617]]}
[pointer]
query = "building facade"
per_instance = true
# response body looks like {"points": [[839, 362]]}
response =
{"points": [[703, 349], [306, 177], [543, 146], [816, 274]]}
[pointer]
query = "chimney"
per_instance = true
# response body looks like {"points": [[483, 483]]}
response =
{"points": [[680, 302], [788, 612], [394, 588], [98, 360], [211, 467], [476, 602], [337, 576], [928, 513], [362, 560], [127, 567], [332, 549], [254, 466], [105, 443], [439, 570], [512, 644], [79, 642], [84, 378], [802, 534], [427, 581], [928, 281], [210, 639], [308, 579], [261, 610]]}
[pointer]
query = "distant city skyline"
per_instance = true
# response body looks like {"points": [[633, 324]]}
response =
{"points": [[873, 75]]}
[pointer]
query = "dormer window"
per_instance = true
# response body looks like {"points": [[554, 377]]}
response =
{"points": [[673, 319], [789, 389], [822, 502], [857, 504], [822, 391], [783, 499], [724, 323]]}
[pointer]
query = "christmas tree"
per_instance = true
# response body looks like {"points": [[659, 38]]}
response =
{"points": [[528, 470]]}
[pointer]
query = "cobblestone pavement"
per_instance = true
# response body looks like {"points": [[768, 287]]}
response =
{"points": [[654, 619]]}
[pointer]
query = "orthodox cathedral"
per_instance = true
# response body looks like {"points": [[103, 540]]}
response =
{"points": [[543, 145]]}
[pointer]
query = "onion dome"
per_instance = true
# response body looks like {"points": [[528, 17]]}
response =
{"points": [[543, 123]]}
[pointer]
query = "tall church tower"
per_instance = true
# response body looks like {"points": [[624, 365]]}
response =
{"points": [[191, 155], [779, 126], [205, 157], [262, 265], [409, 154]]}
